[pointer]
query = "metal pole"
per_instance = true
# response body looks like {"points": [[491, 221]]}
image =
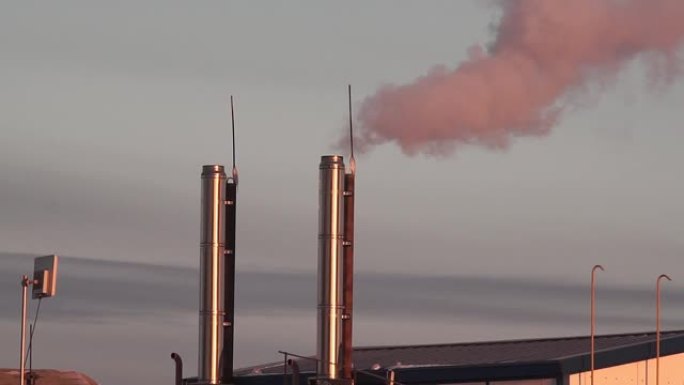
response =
{"points": [[658, 326], [330, 239], [30, 354], [285, 359], [212, 237], [295, 371], [22, 359], [593, 317]]}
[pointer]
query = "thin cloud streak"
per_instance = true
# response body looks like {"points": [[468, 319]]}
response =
{"points": [[97, 291]]}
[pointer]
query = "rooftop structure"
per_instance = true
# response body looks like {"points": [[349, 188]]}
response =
{"points": [[545, 361]]}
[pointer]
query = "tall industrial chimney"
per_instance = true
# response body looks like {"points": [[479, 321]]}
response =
{"points": [[330, 238], [212, 271]]}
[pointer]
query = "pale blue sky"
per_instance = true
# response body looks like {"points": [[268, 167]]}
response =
{"points": [[110, 109]]}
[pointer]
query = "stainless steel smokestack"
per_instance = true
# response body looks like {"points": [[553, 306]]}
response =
{"points": [[212, 269], [330, 237]]}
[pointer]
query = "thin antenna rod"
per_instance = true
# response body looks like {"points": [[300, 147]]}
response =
{"points": [[232, 120], [351, 124]]}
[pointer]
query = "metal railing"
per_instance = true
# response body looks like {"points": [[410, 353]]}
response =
{"points": [[388, 379]]}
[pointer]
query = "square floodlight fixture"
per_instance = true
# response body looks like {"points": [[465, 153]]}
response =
{"points": [[45, 276]]}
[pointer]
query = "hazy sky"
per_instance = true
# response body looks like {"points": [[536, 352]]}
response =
{"points": [[109, 110]]}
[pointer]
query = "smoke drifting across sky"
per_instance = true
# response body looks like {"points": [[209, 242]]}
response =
{"points": [[543, 52]]}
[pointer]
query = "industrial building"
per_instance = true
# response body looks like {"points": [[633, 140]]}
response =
{"points": [[620, 359], [649, 358]]}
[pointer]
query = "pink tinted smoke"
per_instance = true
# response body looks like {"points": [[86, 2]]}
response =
{"points": [[543, 50]]}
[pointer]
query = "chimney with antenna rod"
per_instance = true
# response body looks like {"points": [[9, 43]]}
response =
{"points": [[217, 275], [229, 271], [335, 268]]}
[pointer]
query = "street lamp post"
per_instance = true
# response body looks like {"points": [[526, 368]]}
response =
{"points": [[593, 315], [658, 325]]}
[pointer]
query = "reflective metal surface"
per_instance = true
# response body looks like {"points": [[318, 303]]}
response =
{"points": [[329, 265], [211, 311]]}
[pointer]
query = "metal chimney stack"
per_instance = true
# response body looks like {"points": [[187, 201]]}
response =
{"points": [[330, 238], [212, 271]]}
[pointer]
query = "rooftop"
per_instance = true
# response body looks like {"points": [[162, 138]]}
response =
{"points": [[549, 355]]}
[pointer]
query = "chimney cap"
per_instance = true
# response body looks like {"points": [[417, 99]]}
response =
{"points": [[332, 161], [212, 169]]}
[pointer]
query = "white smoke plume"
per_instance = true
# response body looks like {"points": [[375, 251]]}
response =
{"points": [[543, 50]]}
